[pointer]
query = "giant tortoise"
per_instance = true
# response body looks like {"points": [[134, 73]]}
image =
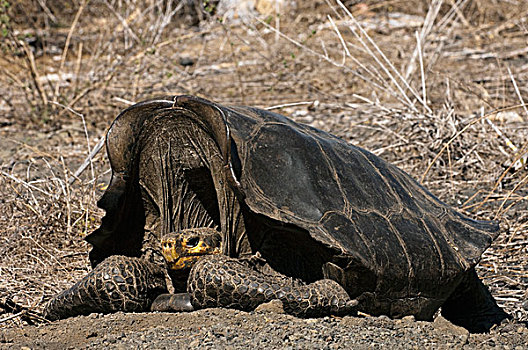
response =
{"points": [[240, 206]]}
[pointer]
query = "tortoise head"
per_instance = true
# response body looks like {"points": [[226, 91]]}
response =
{"points": [[184, 248]]}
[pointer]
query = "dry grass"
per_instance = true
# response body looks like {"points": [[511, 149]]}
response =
{"points": [[435, 88]]}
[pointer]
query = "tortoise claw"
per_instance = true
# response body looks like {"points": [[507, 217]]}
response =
{"points": [[352, 303], [351, 307]]}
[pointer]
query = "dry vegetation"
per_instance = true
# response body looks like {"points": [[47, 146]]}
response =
{"points": [[435, 87]]}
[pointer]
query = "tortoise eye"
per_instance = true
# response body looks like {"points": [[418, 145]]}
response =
{"points": [[193, 242]]}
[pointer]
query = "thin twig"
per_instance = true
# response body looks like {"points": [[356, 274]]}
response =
{"points": [[34, 73], [419, 48], [87, 160], [66, 46], [10, 317], [284, 105], [518, 92], [123, 22], [90, 151], [510, 193], [28, 185], [78, 66], [427, 26]]}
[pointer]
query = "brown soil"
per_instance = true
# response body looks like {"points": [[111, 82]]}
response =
{"points": [[232, 329], [55, 105]]}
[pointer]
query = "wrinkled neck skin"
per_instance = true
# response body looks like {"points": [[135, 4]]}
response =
{"points": [[182, 184]]}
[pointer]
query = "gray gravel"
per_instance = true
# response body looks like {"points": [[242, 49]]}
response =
{"points": [[231, 329]]}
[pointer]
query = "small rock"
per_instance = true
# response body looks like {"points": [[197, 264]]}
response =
{"points": [[186, 61], [508, 327], [409, 319], [444, 326], [91, 334], [273, 306]]}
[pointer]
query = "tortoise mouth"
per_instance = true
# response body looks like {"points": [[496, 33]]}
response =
{"points": [[184, 262]]}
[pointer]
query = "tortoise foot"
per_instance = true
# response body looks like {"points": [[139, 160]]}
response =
{"points": [[220, 281], [119, 283], [172, 303]]}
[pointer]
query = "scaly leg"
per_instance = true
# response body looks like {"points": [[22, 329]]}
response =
{"points": [[118, 283], [220, 281]]}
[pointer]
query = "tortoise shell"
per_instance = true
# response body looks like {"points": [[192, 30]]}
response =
{"points": [[376, 223]]}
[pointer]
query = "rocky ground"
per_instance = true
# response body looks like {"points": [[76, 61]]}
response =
{"points": [[448, 111], [231, 329]]}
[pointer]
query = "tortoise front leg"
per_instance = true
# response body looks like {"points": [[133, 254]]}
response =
{"points": [[118, 283], [220, 281]]}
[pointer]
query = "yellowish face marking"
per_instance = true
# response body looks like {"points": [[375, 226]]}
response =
{"points": [[182, 250]]}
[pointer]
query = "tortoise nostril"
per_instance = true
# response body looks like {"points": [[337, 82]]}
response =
{"points": [[193, 242]]}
